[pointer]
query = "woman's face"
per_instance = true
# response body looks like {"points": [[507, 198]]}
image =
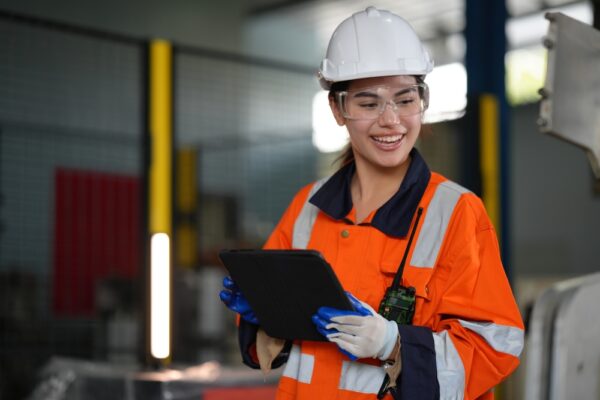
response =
{"points": [[386, 141]]}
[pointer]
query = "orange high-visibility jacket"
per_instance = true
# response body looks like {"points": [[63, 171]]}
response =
{"points": [[467, 331]]}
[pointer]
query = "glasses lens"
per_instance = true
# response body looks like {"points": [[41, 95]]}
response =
{"points": [[370, 103]]}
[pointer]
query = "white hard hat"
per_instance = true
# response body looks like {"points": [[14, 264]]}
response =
{"points": [[373, 43]]}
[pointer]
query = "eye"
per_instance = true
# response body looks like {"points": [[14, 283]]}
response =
{"points": [[368, 105], [405, 101]]}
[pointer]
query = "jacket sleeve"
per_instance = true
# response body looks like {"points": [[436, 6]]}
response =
{"points": [[247, 340], [280, 238], [476, 333]]}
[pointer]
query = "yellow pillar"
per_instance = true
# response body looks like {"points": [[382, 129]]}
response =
{"points": [[161, 102], [160, 207], [490, 157], [187, 233]]}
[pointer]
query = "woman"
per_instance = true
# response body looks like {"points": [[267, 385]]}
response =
{"points": [[384, 215]]}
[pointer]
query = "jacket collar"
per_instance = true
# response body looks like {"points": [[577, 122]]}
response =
{"points": [[394, 217]]}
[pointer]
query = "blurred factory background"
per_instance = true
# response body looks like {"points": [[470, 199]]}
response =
{"points": [[75, 151]]}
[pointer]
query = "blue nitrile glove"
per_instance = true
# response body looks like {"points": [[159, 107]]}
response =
{"points": [[324, 314], [361, 333], [235, 300]]}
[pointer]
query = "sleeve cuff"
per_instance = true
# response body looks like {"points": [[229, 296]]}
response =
{"points": [[247, 340], [418, 379]]}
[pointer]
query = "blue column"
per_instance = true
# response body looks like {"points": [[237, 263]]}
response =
{"points": [[486, 47]]}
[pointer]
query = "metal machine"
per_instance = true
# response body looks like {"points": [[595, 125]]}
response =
{"points": [[571, 93], [563, 344]]}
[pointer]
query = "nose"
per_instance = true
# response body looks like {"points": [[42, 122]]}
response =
{"points": [[389, 116]]}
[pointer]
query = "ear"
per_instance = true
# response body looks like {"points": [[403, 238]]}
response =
{"points": [[337, 114]]}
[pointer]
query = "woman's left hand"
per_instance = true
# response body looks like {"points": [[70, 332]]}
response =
{"points": [[361, 333]]}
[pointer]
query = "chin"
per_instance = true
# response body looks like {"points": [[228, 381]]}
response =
{"points": [[392, 162]]}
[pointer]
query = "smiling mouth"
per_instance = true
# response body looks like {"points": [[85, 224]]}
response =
{"points": [[387, 139]]}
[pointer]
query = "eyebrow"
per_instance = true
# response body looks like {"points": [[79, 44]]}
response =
{"points": [[398, 93], [406, 90], [366, 94]]}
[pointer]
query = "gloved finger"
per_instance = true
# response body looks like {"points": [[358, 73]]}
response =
{"points": [[351, 356], [325, 332], [361, 307], [354, 330], [237, 303], [335, 339], [250, 317], [343, 340], [241, 307], [343, 337], [345, 347], [349, 319], [327, 313], [320, 322], [226, 296], [336, 328], [228, 283], [321, 325]]}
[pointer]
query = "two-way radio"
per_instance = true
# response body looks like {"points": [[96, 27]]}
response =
{"points": [[398, 303]]}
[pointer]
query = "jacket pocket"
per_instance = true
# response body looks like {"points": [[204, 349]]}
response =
{"points": [[412, 276]]}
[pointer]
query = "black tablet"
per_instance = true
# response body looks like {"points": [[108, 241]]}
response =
{"points": [[285, 288]]}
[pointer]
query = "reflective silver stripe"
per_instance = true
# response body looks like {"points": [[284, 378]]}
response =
{"points": [[450, 369], [306, 219], [436, 222], [506, 339], [299, 365], [360, 377]]}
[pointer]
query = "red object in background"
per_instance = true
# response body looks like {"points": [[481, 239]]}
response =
{"points": [[241, 393], [96, 235]]}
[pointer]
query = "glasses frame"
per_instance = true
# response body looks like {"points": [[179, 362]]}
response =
{"points": [[422, 89]]}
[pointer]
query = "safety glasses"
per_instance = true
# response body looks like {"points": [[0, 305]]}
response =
{"points": [[369, 103]]}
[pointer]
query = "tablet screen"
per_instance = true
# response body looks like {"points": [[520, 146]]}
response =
{"points": [[285, 288]]}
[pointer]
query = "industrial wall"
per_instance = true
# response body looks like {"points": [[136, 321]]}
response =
{"points": [[555, 202]]}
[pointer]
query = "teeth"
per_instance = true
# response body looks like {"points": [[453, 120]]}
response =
{"points": [[387, 139]]}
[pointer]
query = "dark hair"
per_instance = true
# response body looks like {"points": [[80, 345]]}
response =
{"points": [[347, 155]]}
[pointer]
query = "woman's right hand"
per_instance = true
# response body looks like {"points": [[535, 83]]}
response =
{"points": [[235, 300]]}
